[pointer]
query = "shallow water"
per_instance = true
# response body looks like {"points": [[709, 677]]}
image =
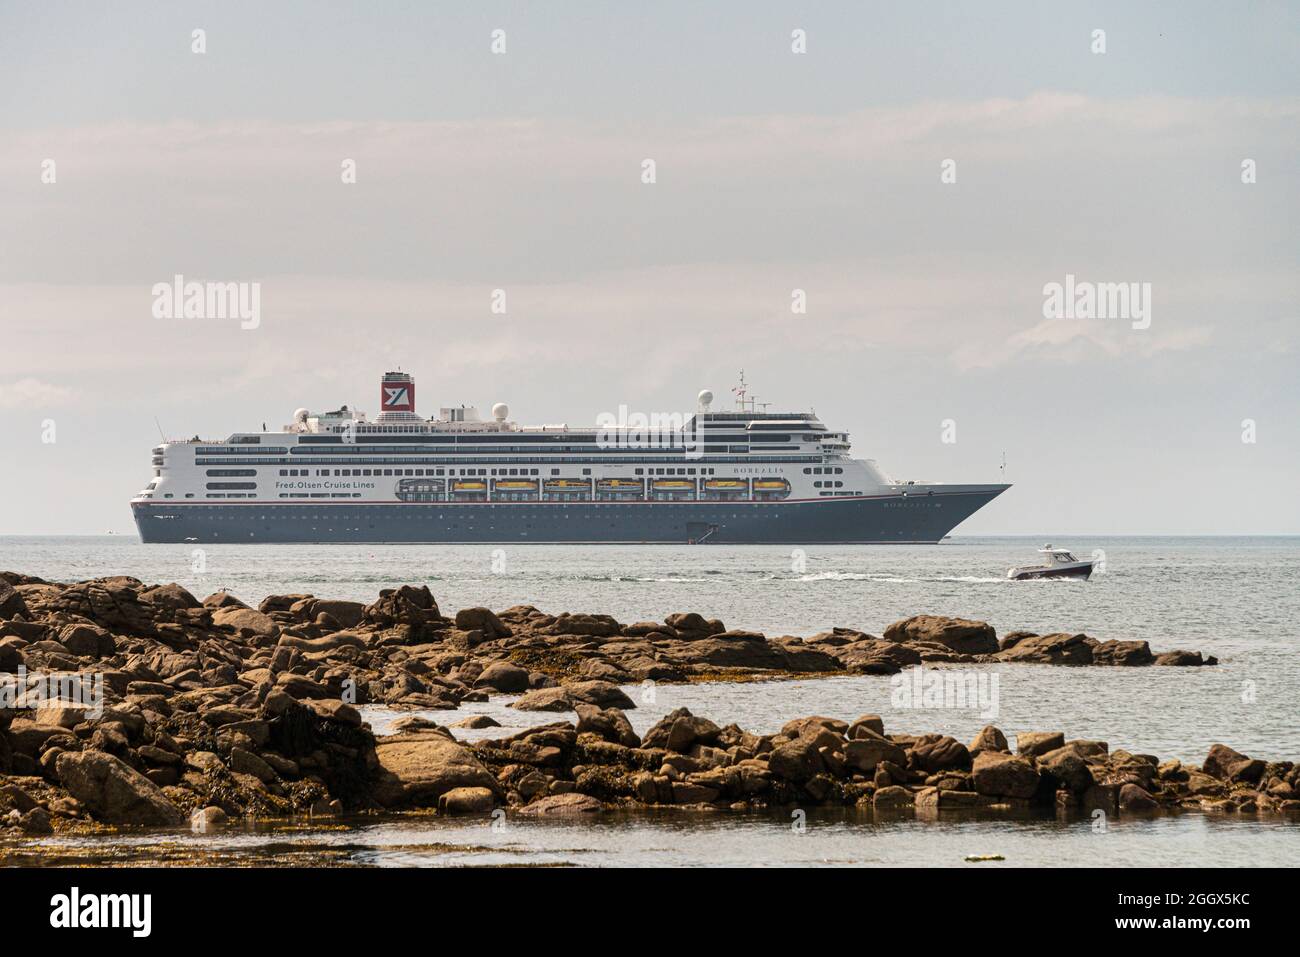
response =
{"points": [[677, 838], [1236, 598], [1197, 707]]}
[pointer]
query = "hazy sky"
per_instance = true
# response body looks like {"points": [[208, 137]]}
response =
{"points": [[775, 171]]}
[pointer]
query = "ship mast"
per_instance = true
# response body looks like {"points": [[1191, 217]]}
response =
{"points": [[740, 392], [745, 403]]}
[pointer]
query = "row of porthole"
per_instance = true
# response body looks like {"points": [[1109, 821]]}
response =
{"points": [[563, 515]]}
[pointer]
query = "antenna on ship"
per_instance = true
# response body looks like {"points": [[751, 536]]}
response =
{"points": [[1003, 467], [740, 391], [160, 431]]}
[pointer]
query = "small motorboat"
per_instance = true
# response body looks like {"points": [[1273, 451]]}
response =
{"points": [[1058, 563]]}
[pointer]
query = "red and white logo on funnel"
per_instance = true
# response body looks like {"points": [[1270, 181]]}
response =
{"points": [[397, 397]]}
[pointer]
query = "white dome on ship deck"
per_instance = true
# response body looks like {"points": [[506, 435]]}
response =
{"points": [[300, 415], [500, 411], [705, 399]]}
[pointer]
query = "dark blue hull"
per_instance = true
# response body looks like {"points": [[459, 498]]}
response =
{"points": [[915, 518], [1083, 571]]}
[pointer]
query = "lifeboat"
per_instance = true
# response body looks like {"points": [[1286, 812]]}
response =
{"points": [[673, 485], [768, 489], [469, 485], [618, 489], [726, 485], [423, 484], [516, 485], [421, 489]]}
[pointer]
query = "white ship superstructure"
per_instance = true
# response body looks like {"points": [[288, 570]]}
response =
{"points": [[742, 475]]}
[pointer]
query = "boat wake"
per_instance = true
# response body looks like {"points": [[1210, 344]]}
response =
{"points": [[667, 580], [893, 580]]}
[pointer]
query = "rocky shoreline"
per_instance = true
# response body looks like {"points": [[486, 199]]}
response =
{"points": [[211, 709]]}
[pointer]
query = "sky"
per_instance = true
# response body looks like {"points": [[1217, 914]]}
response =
{"points": [[922, 173]]}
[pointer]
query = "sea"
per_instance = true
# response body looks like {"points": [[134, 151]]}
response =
{"points": [[1237, 598]]}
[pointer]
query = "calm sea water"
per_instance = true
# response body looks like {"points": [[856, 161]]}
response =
{"points": [[1236, 598]]}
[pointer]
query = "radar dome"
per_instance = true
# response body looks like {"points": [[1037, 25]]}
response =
{"points": [[300, 415], [705, 398], [500, 411]]}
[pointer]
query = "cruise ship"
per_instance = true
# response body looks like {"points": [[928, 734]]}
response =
{"points": [[742, 476]]}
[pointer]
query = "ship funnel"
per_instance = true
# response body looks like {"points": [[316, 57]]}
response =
{"points": [[397, 397]]}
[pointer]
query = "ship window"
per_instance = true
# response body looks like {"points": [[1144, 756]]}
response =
{"points": [[839, 471], [637, 471], [230, 485], [586, 471], [557, 471]]}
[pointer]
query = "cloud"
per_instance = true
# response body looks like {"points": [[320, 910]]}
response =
{"points": [[1040, 125], [1070, 341], [33, 394]]}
